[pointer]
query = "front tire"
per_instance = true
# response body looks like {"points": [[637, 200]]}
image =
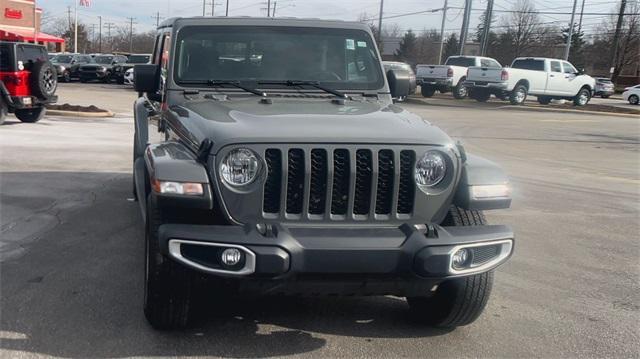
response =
{"points": [[168, 285], [427, 91], [66, 76], [583, 97], [543, 100], [458, 301], [480, 95], [634, 99], [31, 115], [518, 95]]}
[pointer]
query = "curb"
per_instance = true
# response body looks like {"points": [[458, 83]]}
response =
{"points": [[80, 114], [563, 110], [526, 108]]}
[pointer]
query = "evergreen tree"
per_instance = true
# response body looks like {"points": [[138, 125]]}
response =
{"points": [[451, 47], [576, 55], [408, 50]]}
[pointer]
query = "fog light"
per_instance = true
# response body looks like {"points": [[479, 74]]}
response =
{"points": [[460, 258], [231, 257]]}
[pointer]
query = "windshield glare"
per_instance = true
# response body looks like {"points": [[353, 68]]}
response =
{"points": [[104, 59], [339, 58], [138, 59], [63, 59]]}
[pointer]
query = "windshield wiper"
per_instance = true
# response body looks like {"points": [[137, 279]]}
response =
{"points": [[218, 83], [316, 84]]}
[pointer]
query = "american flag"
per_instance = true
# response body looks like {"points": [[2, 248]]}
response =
{"points": [[86, 3]]}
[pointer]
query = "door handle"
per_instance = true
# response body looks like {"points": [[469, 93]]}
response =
{"points": [[552, 75]]}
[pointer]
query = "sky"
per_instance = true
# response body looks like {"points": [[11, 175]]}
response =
{"points": [[145, 11]]}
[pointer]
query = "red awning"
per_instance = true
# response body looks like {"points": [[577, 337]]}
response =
{"points": [[26, 35]]}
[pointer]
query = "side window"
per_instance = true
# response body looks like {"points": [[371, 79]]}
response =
{"points": [[484, 63], [164, 57], [555, 66], [157, 50], [529, 64], [494, 63], [568, 68]]}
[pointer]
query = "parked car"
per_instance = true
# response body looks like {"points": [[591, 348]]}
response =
{"points": [[101, 69], [547, 79], [120, 70], [604, 87], [68, 65], [28, 81], [297, 175], [451, 75], [395, 65], [632, 94], [128, 77]]}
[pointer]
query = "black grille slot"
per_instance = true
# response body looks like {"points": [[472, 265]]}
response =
{"points": [[318, 182], [386, 173], [271, 200], [364, 172], [406, 186], [295, 181], [484, 254], [341, 175]]}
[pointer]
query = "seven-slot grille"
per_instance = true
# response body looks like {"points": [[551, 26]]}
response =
{"points": [[339, 183]]}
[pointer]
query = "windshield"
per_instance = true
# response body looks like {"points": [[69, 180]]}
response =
{"points": [[63, 59], [138, 59], [339, 58], [104, 59], [461, 61]]}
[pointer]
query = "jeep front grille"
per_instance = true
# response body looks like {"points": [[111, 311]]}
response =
{"points": [[338, 183]]}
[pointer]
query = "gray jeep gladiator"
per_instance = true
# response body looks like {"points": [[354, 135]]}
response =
{"points": [[270, 159]]}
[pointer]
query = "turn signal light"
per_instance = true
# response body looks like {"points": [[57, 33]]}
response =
{"points": [[449, 72], [180, 188]]}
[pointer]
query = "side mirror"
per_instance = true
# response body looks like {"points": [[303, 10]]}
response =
{"points": [[146, 78], [399, 83]]}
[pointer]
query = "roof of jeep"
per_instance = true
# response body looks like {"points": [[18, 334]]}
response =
{"points": [[262, 21]]}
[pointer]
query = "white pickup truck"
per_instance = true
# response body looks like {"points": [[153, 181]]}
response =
{"points": [[451, 75], [547, 79]]}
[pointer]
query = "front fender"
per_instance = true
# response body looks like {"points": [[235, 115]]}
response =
{"points": [[172, 161], [477, 171]]}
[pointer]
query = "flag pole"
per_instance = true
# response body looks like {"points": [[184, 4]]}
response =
{"points": [[75, 33]]}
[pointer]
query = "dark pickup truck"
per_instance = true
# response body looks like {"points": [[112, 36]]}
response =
{"points": [[269, 158]]}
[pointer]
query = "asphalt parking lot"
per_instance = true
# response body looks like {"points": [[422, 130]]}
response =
{"points": [[72, 249]]}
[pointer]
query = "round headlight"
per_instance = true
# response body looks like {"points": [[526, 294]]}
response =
{"points": [[239, 167], [430, 169]]}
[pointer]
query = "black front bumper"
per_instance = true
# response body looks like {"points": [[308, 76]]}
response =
{"points": [[336, 260]]}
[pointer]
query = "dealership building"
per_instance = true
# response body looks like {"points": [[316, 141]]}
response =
{"points": [[20, 21]]}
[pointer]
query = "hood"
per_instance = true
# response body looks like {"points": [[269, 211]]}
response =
{"points": [[303, 120]]}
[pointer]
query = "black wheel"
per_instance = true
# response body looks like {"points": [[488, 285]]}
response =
{"points": [[460, 91], [121, 80], [518, 95], [83, 80], [458, 301], [544, 100], [107, 78], [3, 111], [168, 285], [582, 98], [66, 76], [43, 80], [31, 115], [480, 95], [427, 91], [634, 99]]}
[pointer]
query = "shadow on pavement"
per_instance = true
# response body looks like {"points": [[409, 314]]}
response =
{"points": [[76, 289]]}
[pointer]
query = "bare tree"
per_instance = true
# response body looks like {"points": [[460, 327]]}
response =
{"points": [[523, 27], [629, 44]]}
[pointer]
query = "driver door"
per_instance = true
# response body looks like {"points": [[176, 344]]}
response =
{"points": [[556, 83]]}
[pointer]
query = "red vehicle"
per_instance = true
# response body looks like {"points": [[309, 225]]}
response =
{"points": [[28, 81]]}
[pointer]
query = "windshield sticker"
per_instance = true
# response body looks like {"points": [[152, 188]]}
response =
{"points": [[351, 45], [362, 44]]}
